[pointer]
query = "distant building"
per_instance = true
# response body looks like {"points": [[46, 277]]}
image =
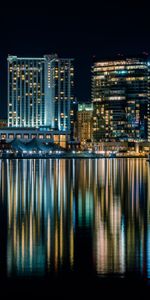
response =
{"points": [[4, 146], [40, 92], [3, 123], [120, 96], [84, 121]]}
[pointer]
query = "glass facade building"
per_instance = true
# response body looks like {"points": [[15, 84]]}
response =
{"points": [[40, 92], [120, 94]]}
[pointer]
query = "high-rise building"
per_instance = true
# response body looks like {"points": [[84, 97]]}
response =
{"points": [[59, 93], [120, 94], [84, 121], [40, 92], [26, 99]]}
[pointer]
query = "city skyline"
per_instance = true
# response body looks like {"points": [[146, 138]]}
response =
{"points": [[74, 149], [41, 96]]}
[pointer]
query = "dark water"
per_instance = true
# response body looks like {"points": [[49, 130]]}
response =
{"points": [[74, 222]]}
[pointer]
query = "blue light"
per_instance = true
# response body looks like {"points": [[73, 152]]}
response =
{"points": [[122, 72]]}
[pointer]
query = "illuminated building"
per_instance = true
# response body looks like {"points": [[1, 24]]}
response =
{"points": [[40, 92], [59, 93], [3, 123], [27, 134], [120, 93], [26, 102], [84, 121]]}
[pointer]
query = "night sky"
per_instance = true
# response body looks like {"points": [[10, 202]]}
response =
{"points": [[83, 33]]}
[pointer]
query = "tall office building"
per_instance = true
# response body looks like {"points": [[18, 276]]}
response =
{"points": [[40, 92], [59, 92], [120, 94]]}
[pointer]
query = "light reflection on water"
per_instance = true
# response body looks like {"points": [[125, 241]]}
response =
{"points": [[78, 215]]}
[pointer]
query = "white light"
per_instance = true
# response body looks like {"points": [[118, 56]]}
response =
{"points": [[102, 152]]}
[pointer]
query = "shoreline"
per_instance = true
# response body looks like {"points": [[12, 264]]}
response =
{"points": [[73, 157]]}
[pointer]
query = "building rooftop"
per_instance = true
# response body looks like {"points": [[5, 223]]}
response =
{"points": [[34, 145]]}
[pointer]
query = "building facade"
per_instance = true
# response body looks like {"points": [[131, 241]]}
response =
{"points": [[84, 121], [40, 92], [3, 123], [26, 99], [59, 93], [120, 95], [40, 134]]}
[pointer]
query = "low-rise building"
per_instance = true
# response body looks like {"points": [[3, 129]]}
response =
{"points": [[84, 121], [3, 123], [27, 134]]}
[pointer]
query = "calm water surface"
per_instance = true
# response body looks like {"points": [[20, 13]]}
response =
{"points": [[62, 217]]}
